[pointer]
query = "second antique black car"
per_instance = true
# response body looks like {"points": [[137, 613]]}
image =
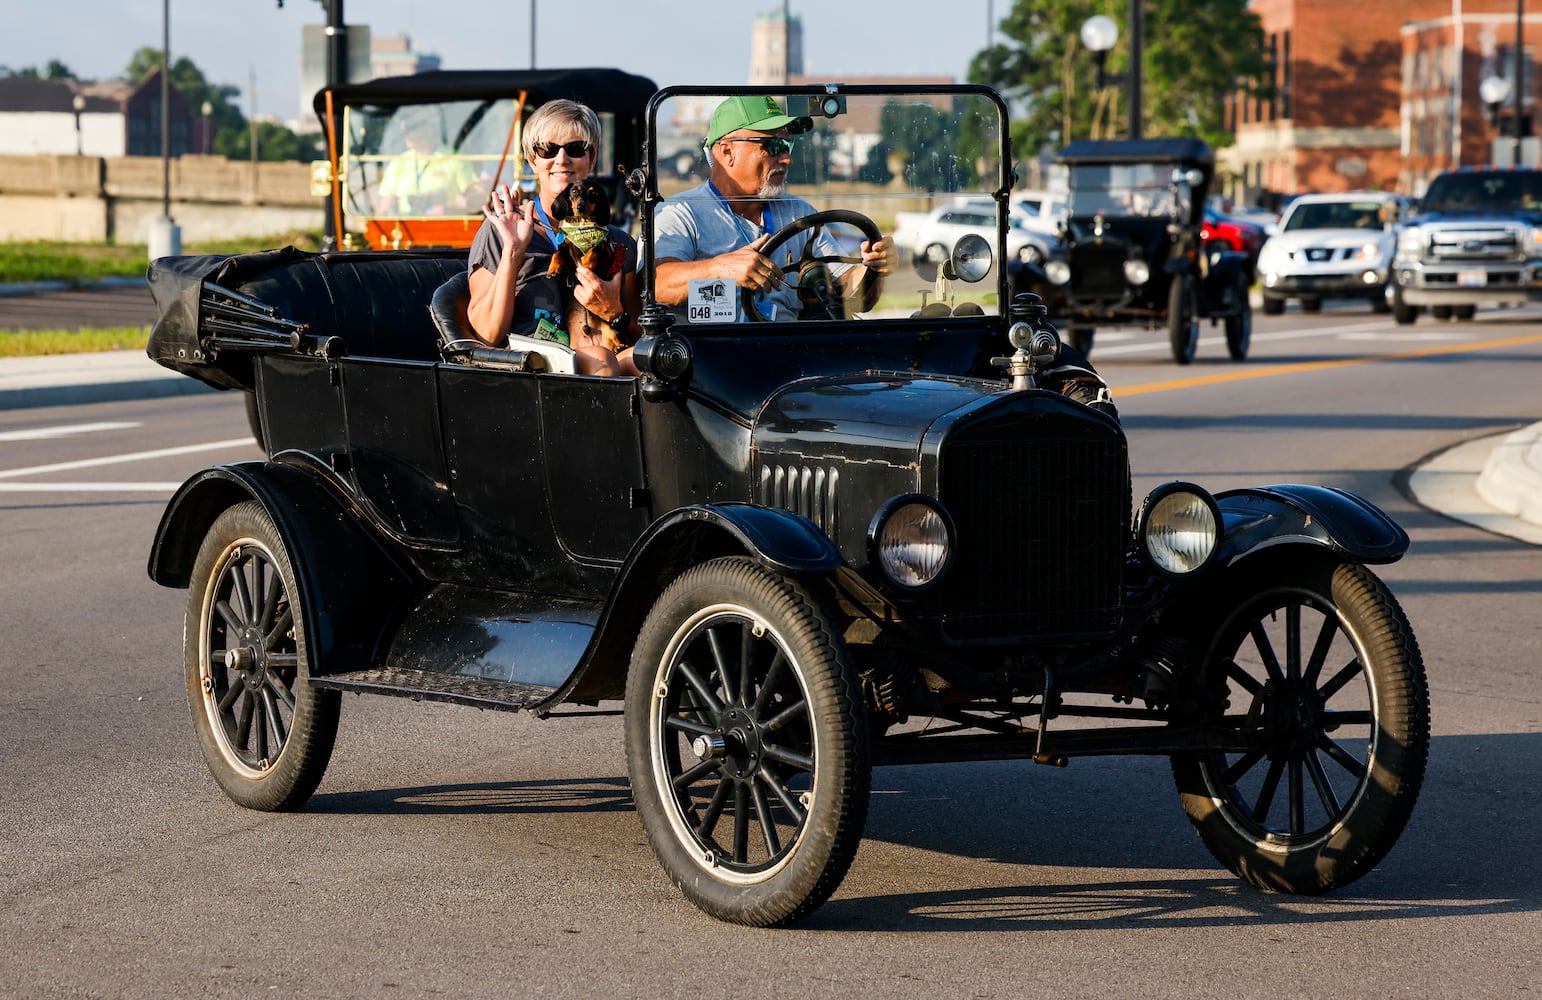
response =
{"points": [[1131, 251], [791, 550]]}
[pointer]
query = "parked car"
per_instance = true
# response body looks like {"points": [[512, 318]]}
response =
{"points": [[790, 550], [1332, 246], [1227, 233], [1131, 248]]}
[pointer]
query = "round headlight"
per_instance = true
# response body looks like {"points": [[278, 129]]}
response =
{"points": [[1058, 271], [1136, 272], [912, 541], [1180, 528]]}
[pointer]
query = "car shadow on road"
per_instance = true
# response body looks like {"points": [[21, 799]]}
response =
{"points": [[557, 795]]}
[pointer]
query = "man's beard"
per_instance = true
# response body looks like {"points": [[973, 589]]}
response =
{"points": [[772, 189]]}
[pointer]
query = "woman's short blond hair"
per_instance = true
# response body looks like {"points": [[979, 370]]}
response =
{"points": [[559, 118]]}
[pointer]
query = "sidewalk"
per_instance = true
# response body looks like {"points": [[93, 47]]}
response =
{"points": [[1494, 483]]}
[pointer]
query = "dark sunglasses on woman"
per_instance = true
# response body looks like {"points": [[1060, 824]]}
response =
{"points": [[547, 150]]}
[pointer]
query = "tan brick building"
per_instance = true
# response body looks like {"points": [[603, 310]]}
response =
{"points": [[1376, 94]]}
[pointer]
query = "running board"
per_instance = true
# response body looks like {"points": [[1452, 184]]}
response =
{"points": [[427, 685]]}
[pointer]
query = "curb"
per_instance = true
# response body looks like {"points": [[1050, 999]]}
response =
{"points": [[37, 287], [1511, 479]]}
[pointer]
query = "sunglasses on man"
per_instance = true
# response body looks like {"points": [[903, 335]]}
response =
{"points": [[575, 149], [773, 145]]}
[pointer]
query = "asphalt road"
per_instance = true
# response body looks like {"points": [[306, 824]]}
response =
{"points": [[75, 308], [464, 853]]}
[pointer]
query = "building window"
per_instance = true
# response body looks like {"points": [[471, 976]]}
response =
{"points": [[1286, 81]]}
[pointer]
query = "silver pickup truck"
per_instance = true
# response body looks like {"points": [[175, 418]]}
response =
{"points": [[1476, 238]]}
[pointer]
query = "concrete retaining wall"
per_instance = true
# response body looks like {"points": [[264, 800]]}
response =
{"points": [[92, 199]]}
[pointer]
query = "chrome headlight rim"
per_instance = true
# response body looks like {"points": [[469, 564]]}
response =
{"points": [[891, 515], [1137, 271], [1057, 271], [1161, 510]]}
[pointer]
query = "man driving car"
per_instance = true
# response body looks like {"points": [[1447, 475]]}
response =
{"points": [[716, 230]]}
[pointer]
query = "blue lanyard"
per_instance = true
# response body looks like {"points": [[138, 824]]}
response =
{"points": [[765, 215], [556, 234]]}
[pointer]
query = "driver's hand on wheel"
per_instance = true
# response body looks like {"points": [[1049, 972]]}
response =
{"points": [[749, 268], [880, 257]]}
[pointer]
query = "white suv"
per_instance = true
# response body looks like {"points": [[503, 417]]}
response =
{"points": [[1331, 246]]}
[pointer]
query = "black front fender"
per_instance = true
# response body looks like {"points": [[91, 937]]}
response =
{"points": [[1262, 517], [354, 591], [784, 541]]}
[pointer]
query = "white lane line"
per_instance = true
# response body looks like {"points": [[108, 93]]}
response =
{"points": [[87, 463], [43, 433], [88, 487]]}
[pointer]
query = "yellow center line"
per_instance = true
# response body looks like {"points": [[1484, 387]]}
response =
{"points": [[1310, 366]]}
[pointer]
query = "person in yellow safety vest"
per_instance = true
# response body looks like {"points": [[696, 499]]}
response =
{"points": [[427, 179]]}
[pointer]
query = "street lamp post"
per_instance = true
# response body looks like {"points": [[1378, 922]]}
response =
{"points": [[1520, 81], [165, 239], [208, 136], [1099, 33], [79, 103]]}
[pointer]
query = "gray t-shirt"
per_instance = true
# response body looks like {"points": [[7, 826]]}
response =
{"points": [[537, 296], [697, 223]]}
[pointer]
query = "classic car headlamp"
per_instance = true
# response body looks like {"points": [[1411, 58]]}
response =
{"points": [[1180, 528], [911, 540], [1137, 271], [1058, 272]]}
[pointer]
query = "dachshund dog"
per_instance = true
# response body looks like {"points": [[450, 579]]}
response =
{"points": [[581, 214]]}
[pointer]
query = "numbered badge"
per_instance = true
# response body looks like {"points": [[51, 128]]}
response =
{"points": [[712, 300]]}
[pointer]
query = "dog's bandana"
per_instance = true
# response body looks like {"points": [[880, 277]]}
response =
{"points": [[583, 235]]}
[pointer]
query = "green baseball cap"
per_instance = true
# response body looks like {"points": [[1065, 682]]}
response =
{"points": [[761, 114]]}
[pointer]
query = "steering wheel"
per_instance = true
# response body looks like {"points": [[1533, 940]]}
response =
{"points": [[822, 293]]}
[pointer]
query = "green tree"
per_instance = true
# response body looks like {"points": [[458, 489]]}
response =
{"points": [[55, 70], [232, 131], [1196, 54]]}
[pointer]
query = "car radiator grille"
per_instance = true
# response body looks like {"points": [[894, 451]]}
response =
{"points": [[1098, 271], [1042, 527], [1474, 244]]}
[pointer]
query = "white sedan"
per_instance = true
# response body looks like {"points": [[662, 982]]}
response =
{"points": [[1331, 246]]}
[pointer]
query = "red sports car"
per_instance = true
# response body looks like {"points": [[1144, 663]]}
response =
{"points": [[1244, 237]]}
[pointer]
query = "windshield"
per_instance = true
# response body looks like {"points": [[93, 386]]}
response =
{"points": [[432, 163], [1131, 190], [1491, 191], [909, 173], [1337, 215]]}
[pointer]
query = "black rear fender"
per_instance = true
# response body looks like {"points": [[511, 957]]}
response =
{"points": [[779, 539], [354, 591]]}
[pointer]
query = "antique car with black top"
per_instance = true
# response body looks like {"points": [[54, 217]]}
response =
{"points": [[1132, 249], [792, 549]]}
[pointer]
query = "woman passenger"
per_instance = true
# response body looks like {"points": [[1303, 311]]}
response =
{"points": [[510, 289]]}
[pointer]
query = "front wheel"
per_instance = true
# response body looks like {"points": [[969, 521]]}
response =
{"points": [[1081, 337], [1316, 686], [1239, 330], [1402, 312], [265, 732], [747, 744], [1182, 319]]}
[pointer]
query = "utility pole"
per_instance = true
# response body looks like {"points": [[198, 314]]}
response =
{"points": [[1137, 37], [1520, 80]]}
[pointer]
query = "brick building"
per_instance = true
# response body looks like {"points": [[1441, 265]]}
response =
{"points": [[1382, 97]]}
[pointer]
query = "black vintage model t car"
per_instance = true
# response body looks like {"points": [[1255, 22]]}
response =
{"points": [[1130, 249], [790, 551]]}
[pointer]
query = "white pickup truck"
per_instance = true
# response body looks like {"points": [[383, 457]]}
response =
{"points": [[928, 235]]}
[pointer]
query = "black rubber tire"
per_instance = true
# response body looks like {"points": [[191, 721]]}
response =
{"points": [[1402, 312], [1380, 303], [1319, 666], [1182, 321], [1311, 305], [1239, 330], [736, 653], [1464, 312], [1081, 337], [265, 732], [1273, 306], [1442, 313]]}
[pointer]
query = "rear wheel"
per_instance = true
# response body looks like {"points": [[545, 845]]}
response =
{"points": [[747, 745], [265, 732], [1080, 337], [1381, 302], [1464, 312], [1318, 687], [1182, 323]]}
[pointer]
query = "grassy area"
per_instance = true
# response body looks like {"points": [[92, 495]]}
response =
{"points": [[26, 343], [85, 262]]}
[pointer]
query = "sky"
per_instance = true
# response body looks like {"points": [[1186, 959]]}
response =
{"points": [[669, 41]]}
